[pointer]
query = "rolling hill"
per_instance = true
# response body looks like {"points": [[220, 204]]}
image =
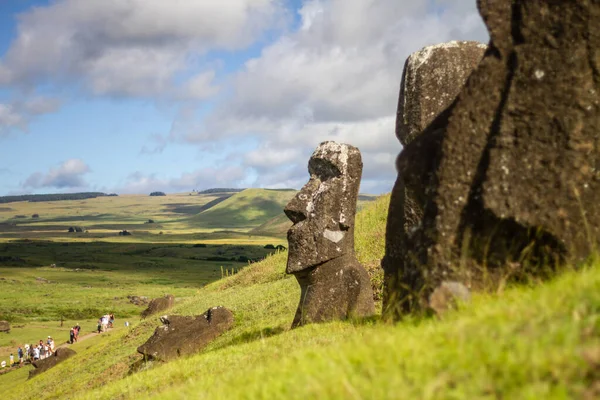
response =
{"points": [[244, 210]]}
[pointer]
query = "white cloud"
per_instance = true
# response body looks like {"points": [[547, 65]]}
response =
{"points": [[201, 86], [346, 61], [133, 48], [267, 156], [336, 78], [67, 175], [204, 178], [17, 114], [10, 117]]}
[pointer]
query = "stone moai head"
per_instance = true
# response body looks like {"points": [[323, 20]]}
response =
{"points": [[323, 211]]}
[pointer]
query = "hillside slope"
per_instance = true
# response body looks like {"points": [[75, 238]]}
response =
{"points": [[245, 210], [525, 342]]}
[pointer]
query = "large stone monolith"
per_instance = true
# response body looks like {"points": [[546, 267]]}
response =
{"points": [[431, 80], [321, 242], [182, 336], [510, 173]]}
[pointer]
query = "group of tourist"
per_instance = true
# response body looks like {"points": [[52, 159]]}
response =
{"points": [[105, 322], [42, 350], [32, 352]]}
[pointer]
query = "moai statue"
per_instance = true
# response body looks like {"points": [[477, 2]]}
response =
{"points": [[181, 336], [432, 79], [321, 242], [509, 173]]}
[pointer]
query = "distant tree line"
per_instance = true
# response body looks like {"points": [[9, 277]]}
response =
{"points": [[220, 190], [157, 194], [34, 198]]}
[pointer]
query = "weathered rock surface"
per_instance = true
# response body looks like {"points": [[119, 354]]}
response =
{"points": [[509, 174], [431, 80], [159, 304], [181, 336], [59, 356], [447, 296], [321, 241], [4, 326]]}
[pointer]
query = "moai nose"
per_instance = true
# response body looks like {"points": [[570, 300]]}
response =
{"points": [[300, 207]]}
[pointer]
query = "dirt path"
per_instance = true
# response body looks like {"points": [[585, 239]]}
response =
{"points": [[82, 338]]}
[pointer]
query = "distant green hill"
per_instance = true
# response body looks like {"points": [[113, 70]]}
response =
{"points": [[276, 226], [245, 210]]}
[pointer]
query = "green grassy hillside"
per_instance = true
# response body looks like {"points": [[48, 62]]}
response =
{"points": [[276, 227], [245, 210], [535, 342]]}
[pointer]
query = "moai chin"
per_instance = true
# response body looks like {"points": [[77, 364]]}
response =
{"points": [[321, 242]]}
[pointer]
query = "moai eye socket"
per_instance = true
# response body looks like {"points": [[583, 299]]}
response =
{"points": [[323, 169]]}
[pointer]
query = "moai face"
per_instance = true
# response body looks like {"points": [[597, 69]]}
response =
{"points": [[323, 211]]}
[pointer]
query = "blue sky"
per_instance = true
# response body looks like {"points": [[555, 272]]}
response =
{"points": [[132, 96]]}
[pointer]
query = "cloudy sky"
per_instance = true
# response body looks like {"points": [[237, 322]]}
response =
{"points": [[132, 96]]}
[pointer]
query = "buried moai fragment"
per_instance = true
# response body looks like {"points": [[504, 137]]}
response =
{"points": [[509, 173], [60, 355], [181, 336], [159, 304], [321, 242]]}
